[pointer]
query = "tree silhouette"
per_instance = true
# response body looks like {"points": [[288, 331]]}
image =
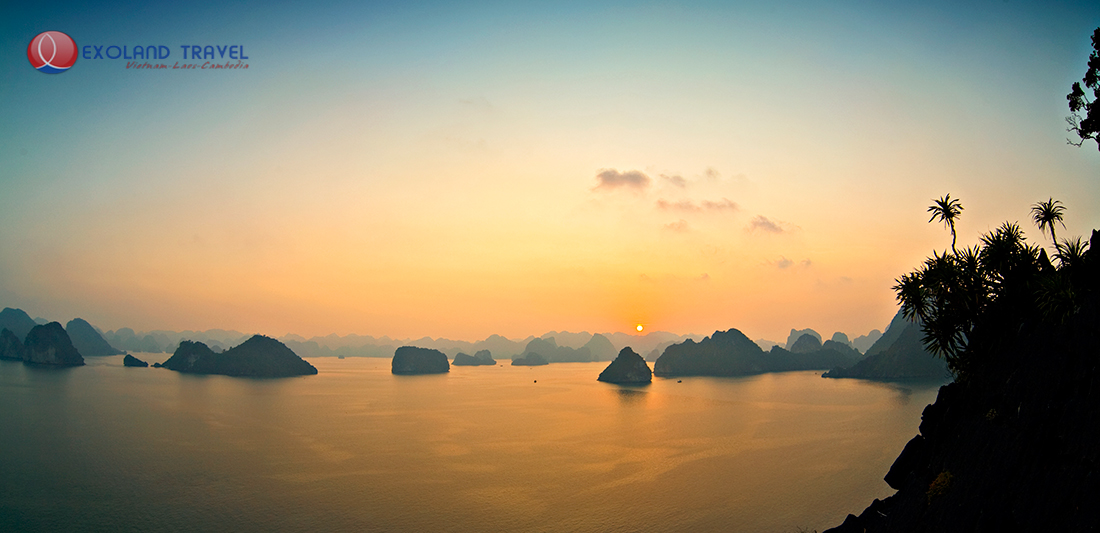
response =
{"points": [[947, 210], [1046, 214], [1087, 126]]}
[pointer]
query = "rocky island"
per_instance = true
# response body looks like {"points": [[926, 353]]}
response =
{"points": [[17, 321], [530, 359], [731, 353], [628, 368], [130, 360], [414, 360], [258, 357], [49, 345], [87, 340], [481, 358], [11, 347]]}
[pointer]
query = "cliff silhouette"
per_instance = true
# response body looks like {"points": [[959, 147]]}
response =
{"points": [[1011, 445]]}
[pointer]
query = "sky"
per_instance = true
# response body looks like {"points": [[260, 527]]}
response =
{"points": [[462, 169]]}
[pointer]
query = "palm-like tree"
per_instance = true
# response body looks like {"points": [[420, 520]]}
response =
{"points": [[1046, 214], [947, 210]]}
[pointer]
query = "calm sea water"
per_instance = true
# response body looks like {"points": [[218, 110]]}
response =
{"points": [[355, 448]]}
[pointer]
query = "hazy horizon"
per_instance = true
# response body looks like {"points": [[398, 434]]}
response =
{"points": [[457, 171]]}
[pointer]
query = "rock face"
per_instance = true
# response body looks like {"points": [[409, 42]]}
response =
{"points": [[906, 358], [731, 353], [130, 360], [414, 360], [842, 338], [10, 346], [863, 343], [258, 357], [797, 333], [805, 344], [482, 357], [18, 321], [627, 368], [600, 348], [50, 345], [1011, 445], [87, 340], [548, 348], [530, 359]]}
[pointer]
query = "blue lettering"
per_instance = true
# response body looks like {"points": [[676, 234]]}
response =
{"points": [[163, 52], [139, 52], [118, 52], [85, 51], [98, 52], [124, 56], [185, 47], [195, 51], [233, 52], [242, 53], [221, 51], [208, 52]]}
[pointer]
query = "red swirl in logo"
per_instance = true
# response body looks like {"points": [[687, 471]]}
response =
{"points": [[52, 52]]}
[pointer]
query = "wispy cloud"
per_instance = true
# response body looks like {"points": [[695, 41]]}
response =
{"points": [[682, 205], [725, 204], [767, 225], [610, 179], [675, 179], [784, 263], [711, 174], [679, 226]]}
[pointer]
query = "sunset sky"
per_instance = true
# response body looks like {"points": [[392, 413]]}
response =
{"points": [[463, 169]]}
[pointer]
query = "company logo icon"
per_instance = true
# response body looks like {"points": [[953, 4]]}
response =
{"points": [[52, 52]]}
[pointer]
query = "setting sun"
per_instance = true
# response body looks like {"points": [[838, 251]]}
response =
{"points": [[640, 327]]}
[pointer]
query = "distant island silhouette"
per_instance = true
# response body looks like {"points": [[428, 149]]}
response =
{"points": [[628, 368], [87, 340], [731, 353], [49, 344], [530, 359], [481, 358], [898, 355], [415, 360], [258, 357]]}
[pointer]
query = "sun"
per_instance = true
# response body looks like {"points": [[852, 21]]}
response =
{"points": [[639, 327]]}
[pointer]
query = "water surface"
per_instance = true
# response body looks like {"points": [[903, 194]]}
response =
{"points": [[355, 448]]}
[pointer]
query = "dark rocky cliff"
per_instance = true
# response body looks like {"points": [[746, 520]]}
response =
{"points": [[11, 347], [1011, 445], [49, 345]]}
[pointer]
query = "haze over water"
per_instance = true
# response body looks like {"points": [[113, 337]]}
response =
{"points": [[109, 448]]}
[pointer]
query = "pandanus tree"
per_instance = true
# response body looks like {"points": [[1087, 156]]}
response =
{"points": [[1046, 215], [947, 210]]}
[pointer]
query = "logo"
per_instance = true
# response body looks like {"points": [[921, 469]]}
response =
{"points": [[52, 52]]}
